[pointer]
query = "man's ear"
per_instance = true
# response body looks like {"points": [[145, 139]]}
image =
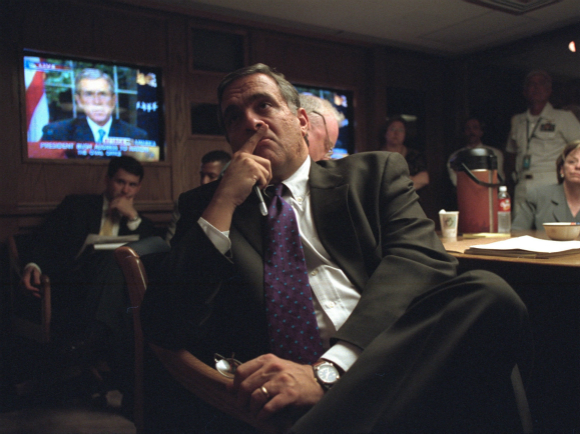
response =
{"points": [[79, 104], [304, 121], [138, 188]]}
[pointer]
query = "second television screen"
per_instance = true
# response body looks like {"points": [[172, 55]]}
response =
{"points": [[83, 109]]}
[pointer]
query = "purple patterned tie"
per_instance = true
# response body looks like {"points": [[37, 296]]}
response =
{"points": [[292, 325]]}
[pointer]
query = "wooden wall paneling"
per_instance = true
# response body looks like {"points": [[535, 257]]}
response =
{"points": [[223, 49], [10, 151], [377, 109], [319, 63], [131, 36], [309, 60], [58, 26], [178, 84]]}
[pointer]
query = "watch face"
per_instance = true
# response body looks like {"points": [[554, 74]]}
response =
{"points": [[327, 373]]}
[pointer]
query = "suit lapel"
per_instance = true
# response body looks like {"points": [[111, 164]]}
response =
{"points": [[336, 230], [247, 220], [82, 130], [560, 206], [95, 214]]}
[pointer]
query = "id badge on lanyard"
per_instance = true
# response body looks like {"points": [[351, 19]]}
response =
{"points": [[527, 162]]}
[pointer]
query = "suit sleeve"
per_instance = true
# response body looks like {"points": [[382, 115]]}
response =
{"points": [[407, 258], [179, 301], [62, 234]]}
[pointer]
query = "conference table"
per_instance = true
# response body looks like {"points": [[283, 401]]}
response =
{"points": [[550, 288]]}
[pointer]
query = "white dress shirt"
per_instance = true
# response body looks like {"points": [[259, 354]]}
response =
{"points": [[96, 127], [335, 297]]}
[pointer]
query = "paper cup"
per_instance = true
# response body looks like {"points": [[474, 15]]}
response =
{"points": [[448, 220]]}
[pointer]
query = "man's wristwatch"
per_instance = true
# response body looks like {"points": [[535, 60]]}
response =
{"points": [[326, 373]]}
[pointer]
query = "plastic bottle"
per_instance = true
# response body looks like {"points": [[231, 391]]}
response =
{"points": [[504, 213]]}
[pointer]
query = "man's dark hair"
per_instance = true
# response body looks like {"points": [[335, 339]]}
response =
{"points": [[218, 155], [288, 92], [128, 164]]}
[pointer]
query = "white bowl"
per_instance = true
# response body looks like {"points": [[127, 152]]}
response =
{"points": [[562, 231]]}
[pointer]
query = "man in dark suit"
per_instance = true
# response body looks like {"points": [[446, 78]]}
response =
{"points": [[88, 289], [408, 346], [95, 96]]}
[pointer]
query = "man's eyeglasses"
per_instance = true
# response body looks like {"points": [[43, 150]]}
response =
{"points": [[226, 365], [328, 145]]}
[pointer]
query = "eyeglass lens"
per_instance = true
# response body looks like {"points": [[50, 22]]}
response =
{"points": [[226, 365]]}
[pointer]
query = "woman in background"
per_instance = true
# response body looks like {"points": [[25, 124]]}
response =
{"points": [[393, 134], [558, 202]]}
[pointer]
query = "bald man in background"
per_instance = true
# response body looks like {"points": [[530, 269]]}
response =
{"points": [[325, 122]]}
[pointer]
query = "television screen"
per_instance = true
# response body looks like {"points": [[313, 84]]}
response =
{"points": [[85, 109], [342, 101]]}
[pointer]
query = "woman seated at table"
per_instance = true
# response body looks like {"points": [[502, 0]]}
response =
{"points": [[393, 134], [558, 202]]}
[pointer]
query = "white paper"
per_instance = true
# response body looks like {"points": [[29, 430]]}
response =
{"points": [[530, 244], [102, 241]]}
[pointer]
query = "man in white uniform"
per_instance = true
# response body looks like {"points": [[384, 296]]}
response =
{"points": [[536, 138]]}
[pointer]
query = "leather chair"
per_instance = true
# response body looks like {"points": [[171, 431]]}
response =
{"points": [[23, 322], [197, 377]]}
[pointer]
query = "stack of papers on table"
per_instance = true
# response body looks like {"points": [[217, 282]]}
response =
{"points": [[526, 247]]}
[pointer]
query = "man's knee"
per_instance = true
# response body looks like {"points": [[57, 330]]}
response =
{"points": [[495, 291]]}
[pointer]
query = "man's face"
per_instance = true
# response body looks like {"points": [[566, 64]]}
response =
{"points": [[538, 89], [473, 132], [395, 134], [210, 171], [254, 100], [322, 135], [96, 99], [122, 183]]}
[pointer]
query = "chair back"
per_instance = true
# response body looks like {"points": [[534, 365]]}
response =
{"points": [[129, 259], [24, 318]]}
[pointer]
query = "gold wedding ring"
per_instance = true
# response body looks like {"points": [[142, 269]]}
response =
{"points": [[265, 392]]}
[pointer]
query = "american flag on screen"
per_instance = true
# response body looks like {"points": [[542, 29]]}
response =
{"points": [[36, 102]]}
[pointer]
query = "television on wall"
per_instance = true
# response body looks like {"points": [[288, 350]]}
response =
{"points": [[342, 100], [87, 109]]}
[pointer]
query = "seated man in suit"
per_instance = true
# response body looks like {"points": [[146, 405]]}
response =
{"points": [[349, 317], [212, 165], [95, 97], [88, 289]]}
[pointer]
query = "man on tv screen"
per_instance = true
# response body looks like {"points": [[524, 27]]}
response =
{"points": [[94, 96]]}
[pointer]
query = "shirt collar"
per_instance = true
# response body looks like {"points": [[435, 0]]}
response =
{"points": [[547, 112], [96, 127], [297, 183], [105, 203]]}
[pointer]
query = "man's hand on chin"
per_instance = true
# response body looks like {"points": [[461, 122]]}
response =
{"points": [[124, 206]]}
